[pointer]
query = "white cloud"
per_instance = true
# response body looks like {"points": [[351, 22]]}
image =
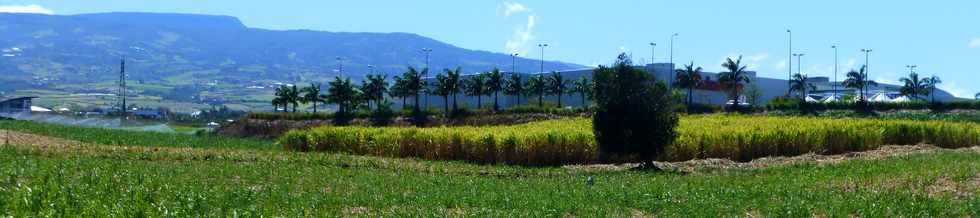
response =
{"points": [[514, 8], [30, 9], [522, 36], [781, 65], [974, 43], [523, 33]]}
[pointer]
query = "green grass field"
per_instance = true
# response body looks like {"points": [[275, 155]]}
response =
{"points": [[159, 175]]}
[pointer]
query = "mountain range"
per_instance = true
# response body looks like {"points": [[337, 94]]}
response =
{"points": [[184, 49]]}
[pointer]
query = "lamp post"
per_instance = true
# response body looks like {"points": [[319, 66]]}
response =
{"points": [[836, 67], [789, 68], [653, 53], [799, 63], [911, 68], [543, 45], [670, 74], [867, 60], [371, 68], [513, 63], [426, 51]]}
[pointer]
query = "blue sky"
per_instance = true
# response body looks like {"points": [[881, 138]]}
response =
{"points": [[940, 37]]}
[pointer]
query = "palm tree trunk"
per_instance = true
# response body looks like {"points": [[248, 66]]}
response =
{"points": [[559, 99], [455, 106], [496, 106], [314, 107], [479, 101], [445, 104], [540, 100], [690, 96]]}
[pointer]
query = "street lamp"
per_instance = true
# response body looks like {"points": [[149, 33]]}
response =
{"points": [[670, 74], [867, 61], [789, 68], [427, 51], [371, 68], [799, 63], [543, 45], [653, 53], [513, 63], [911, 68], [836, 67]]}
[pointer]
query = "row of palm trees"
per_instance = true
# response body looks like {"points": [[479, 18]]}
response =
{"points": [[375, 89]]}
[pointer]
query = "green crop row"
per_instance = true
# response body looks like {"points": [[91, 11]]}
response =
{"points": [[571, 141]]}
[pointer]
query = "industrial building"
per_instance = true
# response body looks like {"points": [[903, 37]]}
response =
{"points": [[709, 93]]}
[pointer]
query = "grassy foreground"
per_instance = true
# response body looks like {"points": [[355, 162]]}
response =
{"points": [[571, 141], [106, 181], [134, 138]]}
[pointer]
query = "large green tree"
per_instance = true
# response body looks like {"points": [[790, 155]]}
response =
{"points": [[400, 90], [311, 94], [442, 87], [495, 84], [414, 85], [801, 85], [634, 112], [913, 86], [514, 87], [346, 96], [931, 84], [476, 85], [375, 86], [537, 85], [734, 78], [585, 88], [557, 85], [689, 78], [859, 80], [454, 84]]}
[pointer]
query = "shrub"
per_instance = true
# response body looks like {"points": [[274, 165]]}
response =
{"points": [[383, 115], [634, 113]]}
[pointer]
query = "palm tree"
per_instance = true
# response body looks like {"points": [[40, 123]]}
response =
{"points": [[311, 94], [476, 85], [343, 93], [800, 84], [584, 87], [733, 78], [414, 84], [914, 86], [442, 88], [538, 86], [399, 89], [514, 87], [689, 78], [859, 80], [931, 85], [454, 84], [495, 84], [375, 87], [282, 92], [557, 85], [977, 96], [291, 95]]}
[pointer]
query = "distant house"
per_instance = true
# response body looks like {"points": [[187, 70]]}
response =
{"points": [[16, 105]]}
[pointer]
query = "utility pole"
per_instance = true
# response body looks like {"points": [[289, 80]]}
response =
{"points": [[122, 87], [653, 53], [867, 68], [543, 45], [670, 73], [789, 68], [513, 63], [799, 63], [836, 68]]}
